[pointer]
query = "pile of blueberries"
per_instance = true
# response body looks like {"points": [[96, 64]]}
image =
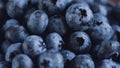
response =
{"points": [[59, 34]]}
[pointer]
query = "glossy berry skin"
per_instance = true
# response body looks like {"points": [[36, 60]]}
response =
{"points": [[16, 34], [57, 24], [107, 63], [107, 49], [4, 64], [100, 29], [51, 6], [78, 14], [22, 61], [12, 51], [37, 22], [54, 41], [9, 23], [82, 61], [79, 42], [67, 55], [51, 59], [5, 45], [33, 46], [16, 8]]}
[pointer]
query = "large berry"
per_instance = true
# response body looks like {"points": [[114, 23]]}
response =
{"points": [[34, 46], [54, 41], [12, 51], [54, 6], [22, 61], [37, 22], [57, 24], [79, 42], [51, 59], [82, 61], [78, 14], [16, 34], [107, 49]]}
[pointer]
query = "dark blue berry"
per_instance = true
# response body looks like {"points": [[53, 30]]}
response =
{"points": [[82, 61], [37, 22], [108, 49], [78, 14], [16, 34], [54, 41], [12, 51], [67, 55], [22, 61], [57, 24], [79, 42], [34, 46], [51, 59]]}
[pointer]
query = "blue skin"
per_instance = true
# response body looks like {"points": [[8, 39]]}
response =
{"points": [[37, 22], [107, 49], [51, 6], [12, 51], [79, 42], [16, 34], [78, 14], [5, 45], [51, 59], [82, 61], [99, 8], [22, 61], [54, 41], [100, 29], [9, 23], [107, 63], [34, 46], [4, 64], [116, 28], [16, 8], [57, 24], [67, 55]]}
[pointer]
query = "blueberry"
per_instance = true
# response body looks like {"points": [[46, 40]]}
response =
{"points": [[5, 45], [79, 42], [57, 24], [67, 55], [33, 46], [9, 23], [4, 64], [12, 51], [116, 28], [16, 34], [108, 49], [100, 29], [54, 41], [107, 63], [37, 22], [28, 13], [99, 8], [78, 14], [22, 61], [82, 61], [16, 8], [51, 59], [54, 6]]}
